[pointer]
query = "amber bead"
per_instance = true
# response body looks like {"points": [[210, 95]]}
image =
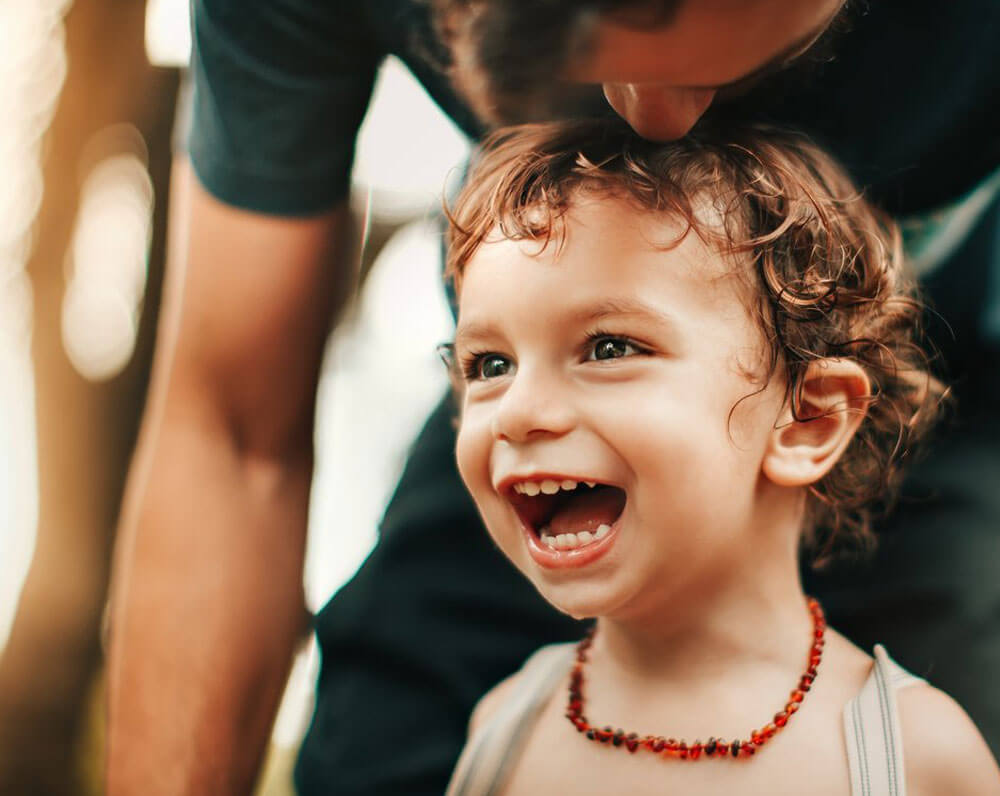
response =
{"points": [[780, 719]]}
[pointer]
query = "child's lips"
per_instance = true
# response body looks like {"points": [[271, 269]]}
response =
{"points": [[571, 557], [568, 521]]}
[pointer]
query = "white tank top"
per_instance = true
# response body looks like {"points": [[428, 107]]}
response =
{"points": [[871, 728]]}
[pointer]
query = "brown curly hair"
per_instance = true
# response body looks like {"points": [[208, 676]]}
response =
{"points": [[826, 267]]}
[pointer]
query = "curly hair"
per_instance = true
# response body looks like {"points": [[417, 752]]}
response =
{"points": [[826, 269]]}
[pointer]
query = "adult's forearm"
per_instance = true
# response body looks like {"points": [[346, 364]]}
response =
{"points": [[207, 586], [206, 609]]}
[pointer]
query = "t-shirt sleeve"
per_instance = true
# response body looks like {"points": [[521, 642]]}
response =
{"points": [[279, 91]]}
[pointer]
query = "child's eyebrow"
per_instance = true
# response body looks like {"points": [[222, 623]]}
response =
{"points": [[607, 308], [631, 309], [622, 307], [466, 334]]}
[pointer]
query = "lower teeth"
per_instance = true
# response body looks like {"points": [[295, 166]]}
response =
{"points": [[569, 541]]}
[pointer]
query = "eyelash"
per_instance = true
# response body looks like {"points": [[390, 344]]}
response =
{"points": [[472, 361]]}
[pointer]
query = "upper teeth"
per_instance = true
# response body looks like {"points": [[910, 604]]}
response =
{"points": [[549, 486]]}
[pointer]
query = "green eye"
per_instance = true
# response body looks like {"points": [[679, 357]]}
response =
{"points": [[493, 365]]}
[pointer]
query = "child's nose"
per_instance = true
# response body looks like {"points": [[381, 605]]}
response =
{"points": [[532, 407]]}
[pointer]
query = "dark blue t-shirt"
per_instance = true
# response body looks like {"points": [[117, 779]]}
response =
{"points": [[909, 102]]}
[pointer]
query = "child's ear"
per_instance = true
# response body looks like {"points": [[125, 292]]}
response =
{"points": [[832, 400]]}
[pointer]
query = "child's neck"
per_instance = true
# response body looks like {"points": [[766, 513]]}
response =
{"points": [[712, 638], [752, 612]]}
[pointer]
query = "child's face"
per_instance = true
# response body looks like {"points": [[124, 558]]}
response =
{"points": [[615, 362]]}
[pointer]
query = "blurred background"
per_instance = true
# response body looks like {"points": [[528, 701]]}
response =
{"points": [[88, 98]]}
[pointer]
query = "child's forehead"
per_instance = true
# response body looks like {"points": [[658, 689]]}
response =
{"points": [[610, 260], [602, 229]]}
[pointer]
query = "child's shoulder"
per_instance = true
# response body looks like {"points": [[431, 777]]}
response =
{"points": [[944, 752], [487, 705], [544, 662]]}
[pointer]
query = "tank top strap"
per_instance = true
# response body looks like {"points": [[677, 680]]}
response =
{"points": [[872, 730], [490, 753]]}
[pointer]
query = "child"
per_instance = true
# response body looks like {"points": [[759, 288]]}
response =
{"points": [[679, 363]]}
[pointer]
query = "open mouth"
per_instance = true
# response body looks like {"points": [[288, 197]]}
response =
{"points": [[565, 514]]}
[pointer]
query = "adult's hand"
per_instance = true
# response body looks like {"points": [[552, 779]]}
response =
{"points": [[207, 599]]}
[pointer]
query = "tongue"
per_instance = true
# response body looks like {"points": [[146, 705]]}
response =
{"points": [[587, 510]]}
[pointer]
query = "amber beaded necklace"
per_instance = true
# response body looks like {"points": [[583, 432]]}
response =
{"points": [[714, 747]]}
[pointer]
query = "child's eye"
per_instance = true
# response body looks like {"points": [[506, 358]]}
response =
{"points": [[487, 366], [612, 348]]}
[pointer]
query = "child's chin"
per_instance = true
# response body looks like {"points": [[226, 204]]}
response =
{"points": [[577, 601]]}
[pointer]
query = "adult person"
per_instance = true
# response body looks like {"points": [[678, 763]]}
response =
{"points": [[208, 596]]}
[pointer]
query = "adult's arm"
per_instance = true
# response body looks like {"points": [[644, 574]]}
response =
{"points": [[207, 601]]}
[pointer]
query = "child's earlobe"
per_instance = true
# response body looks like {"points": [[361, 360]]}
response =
{"points": [[808, 440]]}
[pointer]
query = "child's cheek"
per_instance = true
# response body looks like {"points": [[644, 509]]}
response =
{"points": [[472, 453], [463, 453]]}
